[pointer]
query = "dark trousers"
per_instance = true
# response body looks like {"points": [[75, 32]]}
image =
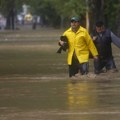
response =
{"points": [[108, 63], [76, 67]]}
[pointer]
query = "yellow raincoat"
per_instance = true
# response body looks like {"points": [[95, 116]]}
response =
{"points": [[81, 43]]}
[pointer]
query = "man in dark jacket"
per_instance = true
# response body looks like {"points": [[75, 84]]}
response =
{"points": [[103, 38]]}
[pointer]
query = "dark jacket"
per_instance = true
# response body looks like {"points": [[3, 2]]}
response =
{"points": [[103, 43]]}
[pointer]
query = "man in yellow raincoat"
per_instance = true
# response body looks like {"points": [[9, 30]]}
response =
{"points": [[80, 45]]}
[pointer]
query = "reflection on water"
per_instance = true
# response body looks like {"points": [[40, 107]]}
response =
{"points": [[91, 100], [59, 99], [81, 96]]}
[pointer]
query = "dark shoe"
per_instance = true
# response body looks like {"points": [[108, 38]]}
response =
{"points": [[112, 70], [97, 72], [101, 71]]}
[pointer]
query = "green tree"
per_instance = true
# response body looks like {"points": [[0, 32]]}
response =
{"points": [[58, 12], [118, 18], [8, 9], [106, 10], [69, 8]]}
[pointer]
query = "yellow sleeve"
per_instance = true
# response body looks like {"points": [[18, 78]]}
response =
{"points": [[91, 45]]}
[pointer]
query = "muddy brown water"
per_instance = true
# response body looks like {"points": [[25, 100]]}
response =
{"points": [[34, 83], [52, 98]]}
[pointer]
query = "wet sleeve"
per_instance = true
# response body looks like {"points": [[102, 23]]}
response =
{"points": [[91, 45], [115, 39]]}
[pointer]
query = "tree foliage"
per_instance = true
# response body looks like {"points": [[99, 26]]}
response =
{"points": [[56, 12]]}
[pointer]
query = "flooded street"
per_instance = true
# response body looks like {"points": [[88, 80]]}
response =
{"points": [[59, 99], [34, 83]]}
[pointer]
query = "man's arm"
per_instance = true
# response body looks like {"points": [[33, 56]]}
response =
{"points": [[115, 39]]}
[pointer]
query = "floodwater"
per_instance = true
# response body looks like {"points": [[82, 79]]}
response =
{"points": [[52, 98], [34, 84]]}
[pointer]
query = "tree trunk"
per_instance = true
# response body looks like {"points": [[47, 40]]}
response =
{"points": [[87, 16], [96, 12], [11, 20], [118, 22], [118, 29]]}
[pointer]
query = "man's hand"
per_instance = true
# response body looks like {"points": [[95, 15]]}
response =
{"points": [[94, 38], [61, 43], [95, 57]]}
